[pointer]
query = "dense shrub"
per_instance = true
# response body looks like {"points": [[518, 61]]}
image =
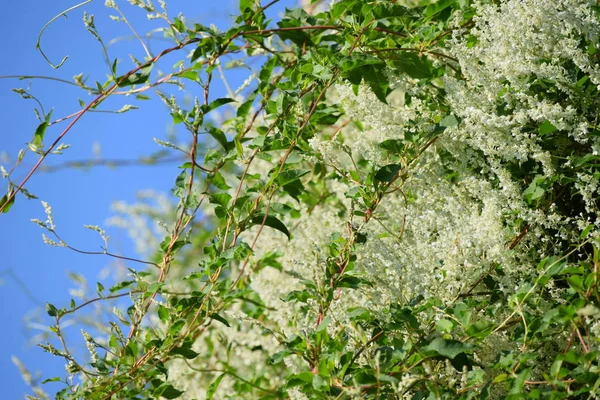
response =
{"points": [[399, 202]]}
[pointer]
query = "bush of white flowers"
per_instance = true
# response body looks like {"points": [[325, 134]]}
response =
{"points": [[400, 202]]}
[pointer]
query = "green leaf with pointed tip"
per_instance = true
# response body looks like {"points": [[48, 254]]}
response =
{"points": [[247, 4], [586, 231], [220, 137], [290, 176], [279, 357], [191, 75], [446, 348], [546, 128], [296, 295], [163, 313], [219, 182], [222, 320], [243, 109], [393, 145], [536, 189], [377, 81], [412, 65], [135, 79], [388, 173], [212, 388], [437, 7], [167, 391], [480, 329], [176, 327], [300, 379], [267, 70], [40, 131], [449, 121], [272, 222], [5, 203], [218, 103], [51, 310], [353, 282], [185, 350], [55, 379], [319, 383], [220, 198], [121, 285]]}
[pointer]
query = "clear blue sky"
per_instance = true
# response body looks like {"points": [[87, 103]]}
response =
{"points": [[77, 197]]}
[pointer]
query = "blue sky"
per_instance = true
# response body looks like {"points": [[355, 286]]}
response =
{"points": [[31, 272]]}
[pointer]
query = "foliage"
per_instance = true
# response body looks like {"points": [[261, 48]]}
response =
{"points": [[399, 202]]}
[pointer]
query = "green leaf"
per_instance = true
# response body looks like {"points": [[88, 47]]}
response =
{"points": [[352, 282], [319, 383], [388, 173], [480, 329], [185, 350], [176, 327], [222, 320], [536, 189], [449, 121], [5, 203], [246, 4], [546, 128], [51, 310], [220, 137], [177, 118], [437, 7], [212, 388], [393, 145], [519, 382], [446, 348], [163, 313], [298, 37], [135, 79], [377, 81], [555, 368], [179, 243], [279, 357], [300, 378], [191, 75], [244, 108], [167, 391], [220, 198], [555, 267], [179, 25], [218, 103], [39, 133], [415, 3], [586, 231], [267, 70], [412, 65], [121, 285], [576, 283], [272, 222], [54, 379], [289, 176], [444, 325], [296, 295], [219, 182]]}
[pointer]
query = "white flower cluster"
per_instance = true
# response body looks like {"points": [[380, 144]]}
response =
{"points": [[519, 79]]}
